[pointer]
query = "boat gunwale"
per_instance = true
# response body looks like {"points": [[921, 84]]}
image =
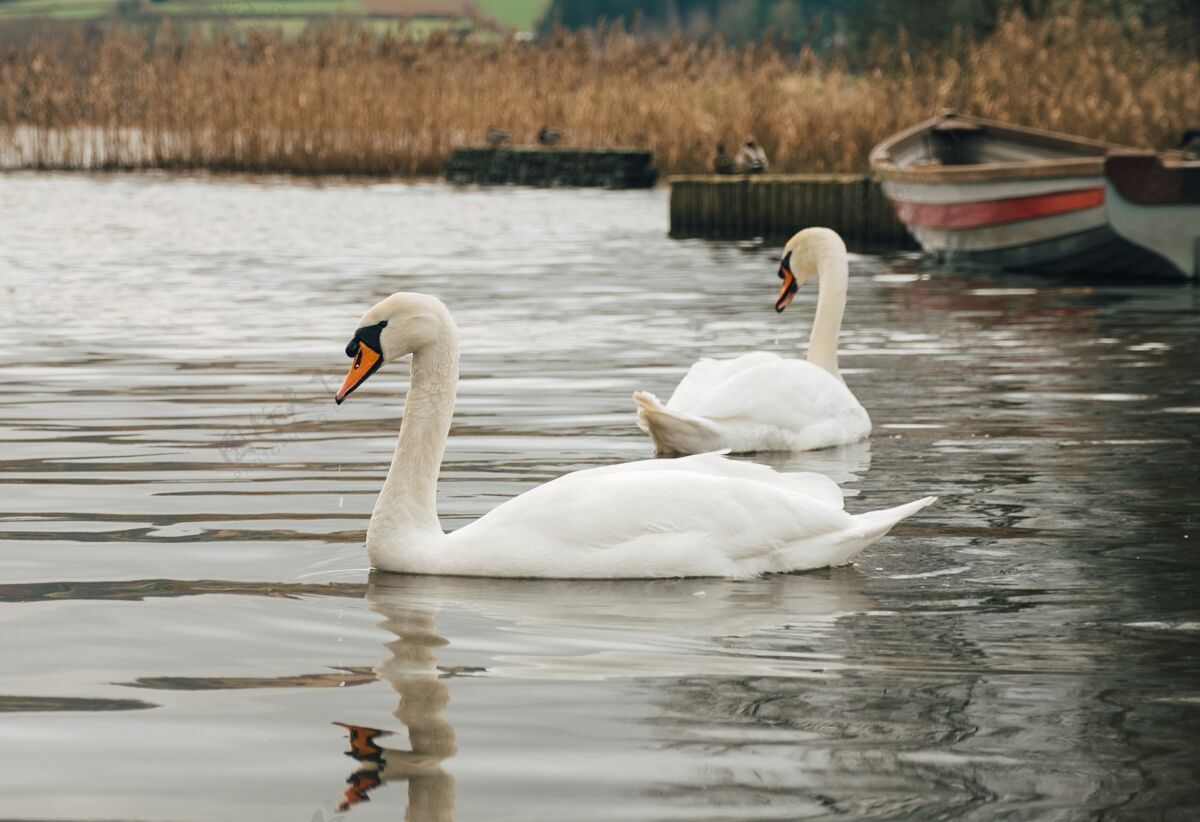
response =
{"points": [[887, 171]]}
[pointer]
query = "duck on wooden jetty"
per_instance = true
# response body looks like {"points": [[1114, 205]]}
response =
{"points": [[496, 136], [547, 136], [722, 163], [751, 159]]}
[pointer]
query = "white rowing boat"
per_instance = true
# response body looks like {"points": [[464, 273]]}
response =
{"points": [[989, 194]]}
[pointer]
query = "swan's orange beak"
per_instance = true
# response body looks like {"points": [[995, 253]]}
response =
{"points": [[366, 362], [788, 290]]}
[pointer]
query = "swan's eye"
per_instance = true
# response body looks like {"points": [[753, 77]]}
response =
{"points": [[785, 265], [368, 335]]}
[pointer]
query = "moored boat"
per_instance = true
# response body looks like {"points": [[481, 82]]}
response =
{"points": [[994, 195], [1153, 200]]}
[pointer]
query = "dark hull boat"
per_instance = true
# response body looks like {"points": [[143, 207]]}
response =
{"points": [[992, 195], [1153, 201]]}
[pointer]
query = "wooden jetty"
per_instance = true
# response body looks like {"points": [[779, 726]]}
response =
{"points": [[539, 166], [775, 206]]}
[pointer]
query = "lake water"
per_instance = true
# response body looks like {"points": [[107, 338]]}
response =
{"points": [[186, 612]]}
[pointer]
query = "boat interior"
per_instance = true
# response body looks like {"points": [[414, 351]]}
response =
{"points": [[1149, 178], [956, 141]]}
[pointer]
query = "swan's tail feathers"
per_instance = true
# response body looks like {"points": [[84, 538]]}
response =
{"points": [[647, 404], [875, 524], [673, 432]]}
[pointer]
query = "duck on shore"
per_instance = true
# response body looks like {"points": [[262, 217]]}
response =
{"points": [[547, 136], [722, 163], [496, 136]]}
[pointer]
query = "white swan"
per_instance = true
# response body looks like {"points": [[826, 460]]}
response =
{"points": [[761, 401], [697, 516]]}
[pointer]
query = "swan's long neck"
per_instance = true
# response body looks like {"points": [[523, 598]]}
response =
{"points": [[408, 500], [833, 280]]}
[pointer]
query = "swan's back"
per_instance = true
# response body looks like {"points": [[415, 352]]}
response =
{"points": [[798, 397], [707, 376], [758, 402]]}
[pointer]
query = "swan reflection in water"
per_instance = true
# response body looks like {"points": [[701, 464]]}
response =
{"points": [[843, 464], [413, 673], [683, 628]]}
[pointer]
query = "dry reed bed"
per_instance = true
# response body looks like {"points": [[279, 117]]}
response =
{"points": [[347, 101]]}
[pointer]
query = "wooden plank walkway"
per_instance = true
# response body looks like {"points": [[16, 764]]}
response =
{"points": [[537, 166], [775, 206]]}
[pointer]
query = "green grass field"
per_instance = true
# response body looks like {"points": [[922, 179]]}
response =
{"points": [[521, 15], [82, 9]]}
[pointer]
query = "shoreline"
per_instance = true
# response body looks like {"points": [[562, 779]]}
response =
{"points": [[342, 102]]}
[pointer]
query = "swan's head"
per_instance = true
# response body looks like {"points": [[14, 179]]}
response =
{"points": [[801, 260], [400, 325]]}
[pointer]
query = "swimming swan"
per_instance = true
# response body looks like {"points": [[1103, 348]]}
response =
{"points": [[697, 516], [761, 401]]}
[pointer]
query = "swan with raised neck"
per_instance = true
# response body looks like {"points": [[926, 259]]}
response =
{"points": [[820, 253], [702, 515], [761, 401], [420, 325]]}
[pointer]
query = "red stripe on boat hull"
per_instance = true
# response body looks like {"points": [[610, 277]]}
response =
{"points": [[996, 212]]}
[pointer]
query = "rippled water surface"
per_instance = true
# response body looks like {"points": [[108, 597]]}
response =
{"points": [[189, 630]]}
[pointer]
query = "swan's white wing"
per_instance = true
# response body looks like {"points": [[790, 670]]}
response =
{"points": [[696, 516], [707, 375], [789, 394], [648, 523]]}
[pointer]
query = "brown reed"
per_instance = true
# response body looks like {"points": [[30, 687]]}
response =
{"points": [[345, 100]]}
